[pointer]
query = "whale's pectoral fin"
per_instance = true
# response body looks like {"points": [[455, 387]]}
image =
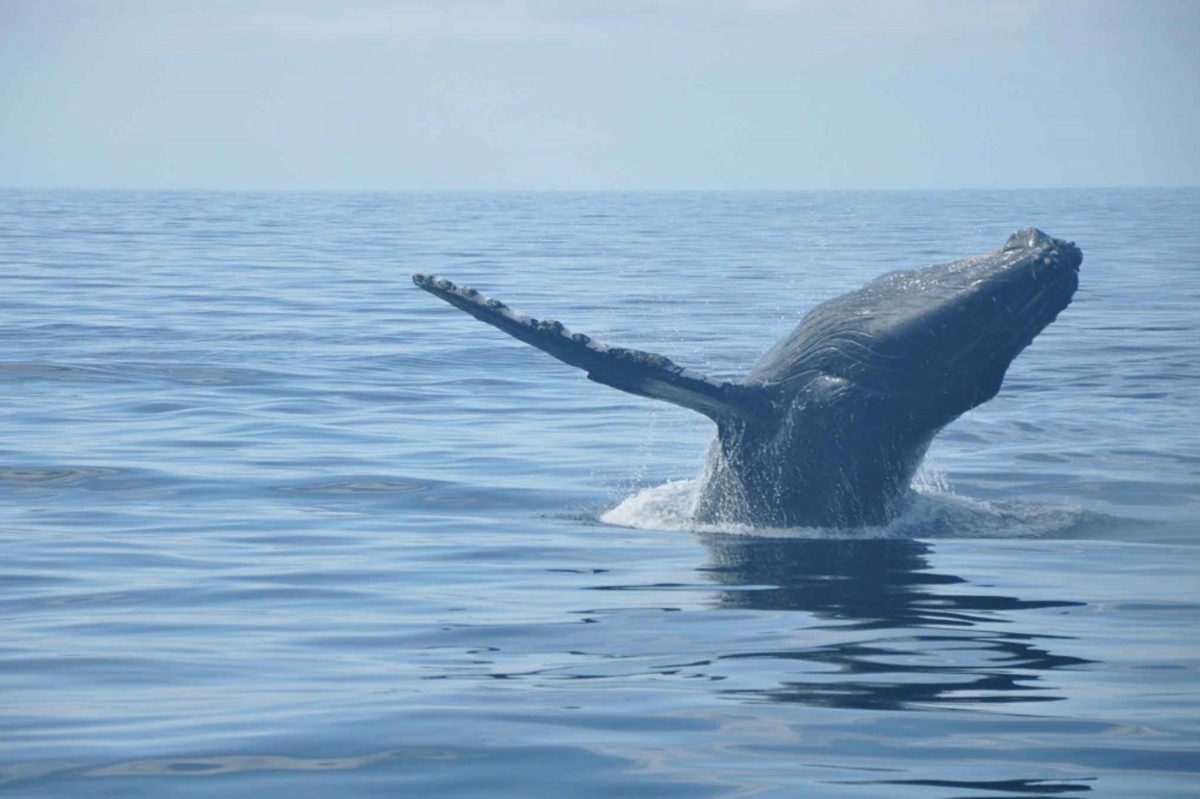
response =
{"points": [[644, 373]]}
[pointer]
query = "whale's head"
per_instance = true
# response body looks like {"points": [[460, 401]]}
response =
{"points": [[864, 383], [933, 342]]}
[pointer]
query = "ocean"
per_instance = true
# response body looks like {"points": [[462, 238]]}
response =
{"points": [[276, 523]]}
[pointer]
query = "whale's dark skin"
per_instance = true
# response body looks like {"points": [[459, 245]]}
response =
{"points": [[828, 429]]}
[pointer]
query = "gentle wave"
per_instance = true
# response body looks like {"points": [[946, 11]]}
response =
{"points": [[275, 523]]}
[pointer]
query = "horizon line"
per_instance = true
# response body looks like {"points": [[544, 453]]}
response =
{"points": [[344, 190]]}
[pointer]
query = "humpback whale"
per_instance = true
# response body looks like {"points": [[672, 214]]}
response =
{"points": [[828, 429]]}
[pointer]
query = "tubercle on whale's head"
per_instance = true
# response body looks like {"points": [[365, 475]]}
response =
{"points": [[1030, 238]]}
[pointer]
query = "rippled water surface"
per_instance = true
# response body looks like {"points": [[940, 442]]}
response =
{"points": [[276, 523]]}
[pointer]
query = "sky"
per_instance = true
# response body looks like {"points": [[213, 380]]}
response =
{"points": [[416, 95]]}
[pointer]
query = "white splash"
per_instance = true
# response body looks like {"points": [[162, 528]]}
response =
{"points": [[929, 479], [665, 507], [932, 511]]}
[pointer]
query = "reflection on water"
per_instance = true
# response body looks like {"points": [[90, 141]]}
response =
{"points": [[1003, 787], [921, 638]]}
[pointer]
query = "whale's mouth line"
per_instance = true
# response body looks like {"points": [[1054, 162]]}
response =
{"points": [[1062, 287], [1053, 295], [1021, 325]]}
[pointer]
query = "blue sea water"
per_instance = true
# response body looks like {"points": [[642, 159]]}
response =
{"points": [[274, 522]]}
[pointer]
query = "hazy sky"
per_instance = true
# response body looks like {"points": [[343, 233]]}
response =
{"points": [[592, 94]]}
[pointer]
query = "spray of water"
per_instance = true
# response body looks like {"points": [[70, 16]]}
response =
{"points": [[932, 510]]}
